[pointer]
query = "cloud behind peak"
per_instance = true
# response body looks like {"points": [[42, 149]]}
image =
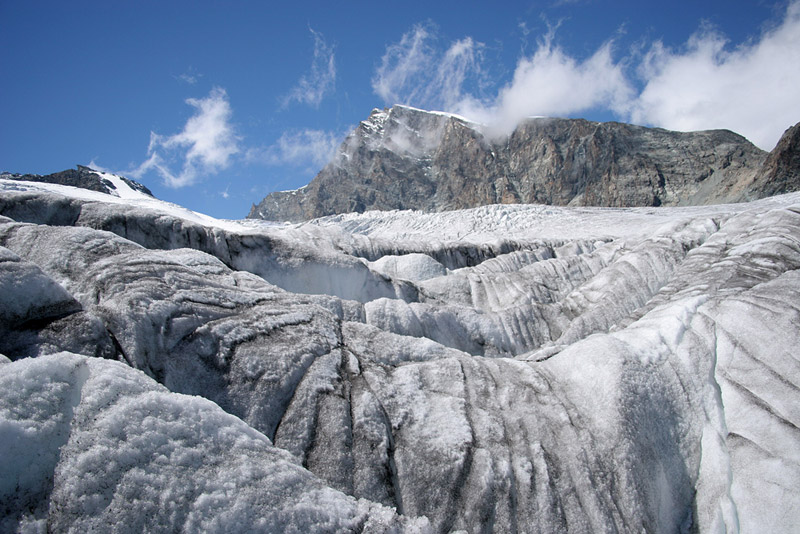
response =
{"points": [[708, 83]]}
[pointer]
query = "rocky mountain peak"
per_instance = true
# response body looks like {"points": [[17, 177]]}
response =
{"points": [[781, 170], [83, 177], [406, 158], [402, 130]]}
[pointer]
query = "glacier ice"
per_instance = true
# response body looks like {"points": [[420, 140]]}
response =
{"points": [[92, 445], [506, 368]]}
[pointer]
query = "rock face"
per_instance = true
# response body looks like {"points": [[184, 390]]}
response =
{"points": [[404, 158], [781, 171], [83, 177], [499, 369]]}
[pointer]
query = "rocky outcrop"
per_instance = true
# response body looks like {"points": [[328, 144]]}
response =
{"points": [[781, 171], [404, 158], [83, 177]]}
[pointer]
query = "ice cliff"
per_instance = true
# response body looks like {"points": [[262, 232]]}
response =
{"points": [[519, 368]]}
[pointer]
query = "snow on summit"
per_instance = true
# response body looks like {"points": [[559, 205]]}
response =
{"points": [[122, 188]]}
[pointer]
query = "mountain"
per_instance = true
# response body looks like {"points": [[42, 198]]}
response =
{"points": [[85, 178], [405, 158], [781, 170], [505, 368]]}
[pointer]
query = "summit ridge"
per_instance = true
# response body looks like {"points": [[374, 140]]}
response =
{"points": [[407, 158]]}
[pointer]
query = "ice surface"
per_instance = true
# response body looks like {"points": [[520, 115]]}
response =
{"points": [[507, 368], [126, 196], [28, 294], [415, 267], [90, 443]]}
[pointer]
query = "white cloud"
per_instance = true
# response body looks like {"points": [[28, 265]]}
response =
{"points": [[414, 71], [549, 82], [552, 83], [752, 89], [96, 166], [204, 146], [401, 65], [313, 87], [190, 76], [301, 148], [460, 62]]}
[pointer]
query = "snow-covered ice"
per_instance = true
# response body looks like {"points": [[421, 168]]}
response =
{"points": [[506, 368], [93, 445]]}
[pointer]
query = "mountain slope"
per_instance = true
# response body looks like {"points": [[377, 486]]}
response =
{"points": [[781, 170], [87, 178], [404, 158]]}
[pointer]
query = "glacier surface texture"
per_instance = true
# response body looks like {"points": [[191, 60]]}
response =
{"points": [[519, 368]]}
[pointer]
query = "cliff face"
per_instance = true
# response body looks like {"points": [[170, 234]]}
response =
{"points": [[404, 158], [781, 171]]}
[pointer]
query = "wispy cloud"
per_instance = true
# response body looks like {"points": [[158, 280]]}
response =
{"points": [[301, 148], [204, 146], [416, 71], [550, 82], [401, 65], [98, 167], [560, 3], [190, 76], [320, 80], [750, 88]]}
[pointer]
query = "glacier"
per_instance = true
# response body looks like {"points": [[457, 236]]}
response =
{"points": [[521, 368]]}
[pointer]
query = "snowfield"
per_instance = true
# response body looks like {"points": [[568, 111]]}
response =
{"points": [[499, 369]]}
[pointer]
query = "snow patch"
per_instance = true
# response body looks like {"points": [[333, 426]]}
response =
{"points": [[413, 267]]}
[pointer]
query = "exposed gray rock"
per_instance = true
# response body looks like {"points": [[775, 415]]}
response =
{"points": [[781, 170], [83, 177], [402, 158]]}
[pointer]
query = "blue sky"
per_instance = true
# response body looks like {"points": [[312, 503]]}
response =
{"points": [[215, 104]]}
